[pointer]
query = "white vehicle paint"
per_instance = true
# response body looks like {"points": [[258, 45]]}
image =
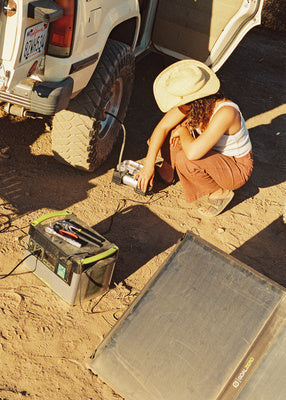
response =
{"points": [[52, 51]]}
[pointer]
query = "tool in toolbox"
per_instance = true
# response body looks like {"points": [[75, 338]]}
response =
{"points": [[71, 228], [71, 258], [62, 230], [62, 234]]}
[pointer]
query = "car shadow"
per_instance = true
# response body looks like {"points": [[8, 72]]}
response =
{"points": [[32, 180]]}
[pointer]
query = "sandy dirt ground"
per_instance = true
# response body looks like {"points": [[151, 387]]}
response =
{"points": [[44, 342]]}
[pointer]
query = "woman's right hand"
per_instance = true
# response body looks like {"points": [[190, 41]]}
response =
{"points": [[145, 177], [171, 119]]}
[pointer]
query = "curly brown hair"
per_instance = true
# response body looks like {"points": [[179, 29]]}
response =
{"points": [[201, 110]]}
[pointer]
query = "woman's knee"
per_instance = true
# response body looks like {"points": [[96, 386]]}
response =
{"points": [[184, 165]]}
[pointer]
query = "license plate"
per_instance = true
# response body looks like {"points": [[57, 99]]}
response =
{"points": [[35, 40]]}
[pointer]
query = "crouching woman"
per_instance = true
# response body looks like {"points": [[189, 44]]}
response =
{"points": [[202, 135]]}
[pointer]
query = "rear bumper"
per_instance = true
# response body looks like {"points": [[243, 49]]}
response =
{"points": [[45, 98]]}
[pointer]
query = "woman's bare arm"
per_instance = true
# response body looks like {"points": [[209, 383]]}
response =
{"points": [[222, 123], [171, 119]]}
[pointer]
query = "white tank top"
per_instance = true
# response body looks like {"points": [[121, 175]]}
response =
{"points": [[238, 144]]}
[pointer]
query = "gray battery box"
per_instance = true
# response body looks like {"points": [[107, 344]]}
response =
{"points": [[206, 327], [74, 273]]}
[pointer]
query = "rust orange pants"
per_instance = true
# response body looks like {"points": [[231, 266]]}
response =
{"points": [[208, 174]]}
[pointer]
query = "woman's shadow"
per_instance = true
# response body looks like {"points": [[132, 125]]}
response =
{"points": [[140, 235]]}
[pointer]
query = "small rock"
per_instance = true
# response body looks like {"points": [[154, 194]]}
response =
{"points": [[4, 153]]}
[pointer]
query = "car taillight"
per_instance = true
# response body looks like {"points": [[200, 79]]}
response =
{"points": [[61, 31]]}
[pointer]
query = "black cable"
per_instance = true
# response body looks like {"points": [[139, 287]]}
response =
{"points": [[117, 211], [120, 209], [123, 140], [114, 116], [6, 224], [6, 221], [7, 206], [25, 258], [98, 301]]}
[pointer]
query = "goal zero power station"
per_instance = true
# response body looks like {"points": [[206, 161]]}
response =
{"points": [[76, 264]]}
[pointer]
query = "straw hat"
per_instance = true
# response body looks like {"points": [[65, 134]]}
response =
{"points": [[182, 82]]}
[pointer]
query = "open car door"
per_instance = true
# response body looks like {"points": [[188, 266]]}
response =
{"points": [[206, 30]]}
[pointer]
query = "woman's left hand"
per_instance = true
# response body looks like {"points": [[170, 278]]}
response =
{"points": [[175, 136]]}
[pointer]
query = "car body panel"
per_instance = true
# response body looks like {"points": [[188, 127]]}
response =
{"points": [[95, 19], [204, 30]]}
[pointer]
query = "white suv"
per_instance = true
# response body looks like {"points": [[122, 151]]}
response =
{"points": [[75, 58]]}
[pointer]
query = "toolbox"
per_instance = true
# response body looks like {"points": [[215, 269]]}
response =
{"points": [[74, 260]]}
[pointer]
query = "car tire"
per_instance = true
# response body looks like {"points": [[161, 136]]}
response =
{"points": [[83, 136]]}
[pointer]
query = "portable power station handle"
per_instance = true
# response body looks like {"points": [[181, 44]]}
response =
{"points": [[100, 256], [51, 215]]}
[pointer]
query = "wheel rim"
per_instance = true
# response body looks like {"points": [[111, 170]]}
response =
{"points": [[112, 106]]}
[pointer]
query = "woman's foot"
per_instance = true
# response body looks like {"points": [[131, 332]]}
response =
{"points": [[216, 202]]}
